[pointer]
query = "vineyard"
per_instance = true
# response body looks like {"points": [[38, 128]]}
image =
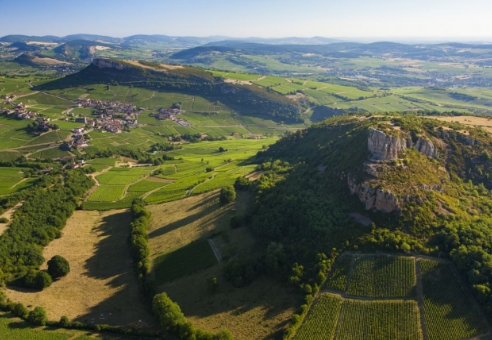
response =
{"points": [[379, 320], [448, 311], [339, 277], [375, 297], [322, 321], [382, 276]]}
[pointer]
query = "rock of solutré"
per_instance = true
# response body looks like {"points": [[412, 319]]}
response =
{"points": [[385, 147], [104, 63], [382, 200], [426, 147]]}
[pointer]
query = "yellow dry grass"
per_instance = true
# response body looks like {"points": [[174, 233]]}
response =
{"points": [[101, 286], [49, 61], [259, 311], [163, 68], [483, 122]]}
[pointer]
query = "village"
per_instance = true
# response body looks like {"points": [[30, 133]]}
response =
{"points": [[113, 117]]}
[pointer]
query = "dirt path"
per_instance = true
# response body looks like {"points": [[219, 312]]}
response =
{"points": [[8, 214], [94, 187], [216, 251]]}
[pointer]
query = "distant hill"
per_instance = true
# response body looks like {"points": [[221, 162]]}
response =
{"points": [[23, 47], [175, 41], [79, 49], [247, 99]]}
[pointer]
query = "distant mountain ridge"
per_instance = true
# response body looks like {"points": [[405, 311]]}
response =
{"points": [[160, 38]]}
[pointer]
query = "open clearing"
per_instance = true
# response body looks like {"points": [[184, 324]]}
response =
{"points": [[101, 286], [258, 311], [485, 123], [396, 297]]}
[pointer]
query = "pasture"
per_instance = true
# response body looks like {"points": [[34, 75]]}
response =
{"points": [[260, 310], [101, 283], [13, 180]]}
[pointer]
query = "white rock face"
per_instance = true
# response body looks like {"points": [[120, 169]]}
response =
{"points": [[426, 147], [102, 63], [384, 147]]}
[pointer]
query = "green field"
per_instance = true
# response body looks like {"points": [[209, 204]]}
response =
{"points": [[183, 261], [449, 312], [12, 180], [381, 301], [12, 328], [382, 276], [339, 277], [322, 320], [378, 320]]}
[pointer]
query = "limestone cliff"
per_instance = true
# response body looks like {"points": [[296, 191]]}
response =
{"points": [[104, 63], [426, 147], [383, 146], [382, 200]]}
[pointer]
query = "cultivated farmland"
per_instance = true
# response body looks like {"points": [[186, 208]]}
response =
{"points": [[382, 301]]}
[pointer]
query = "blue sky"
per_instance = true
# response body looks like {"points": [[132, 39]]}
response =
{"points": [[259, 18]]}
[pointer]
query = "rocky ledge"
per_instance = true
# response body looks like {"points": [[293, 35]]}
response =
{"points": [[104, 63]]}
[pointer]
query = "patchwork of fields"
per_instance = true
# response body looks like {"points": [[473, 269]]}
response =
{"points": [[197, 168], [392, 297]]}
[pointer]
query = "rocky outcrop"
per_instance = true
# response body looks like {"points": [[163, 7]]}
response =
{"points": [[426, 147], [385, 147], [104, 63], [382, 200]]}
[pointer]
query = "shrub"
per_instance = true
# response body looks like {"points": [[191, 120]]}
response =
{"points": [[236, 221], [43, 280], [4, 220], [227, 195], [36, 279], [20, 310], [38, 316], [242, 183], [64, 322], [58, 267]]}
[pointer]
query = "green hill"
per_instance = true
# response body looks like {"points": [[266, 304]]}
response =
{"points": [[252, 99], [393, 183]]}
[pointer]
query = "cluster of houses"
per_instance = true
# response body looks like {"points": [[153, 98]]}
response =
{"points": [[20, 112], [112, 116], [104, 107], [171, 114]]}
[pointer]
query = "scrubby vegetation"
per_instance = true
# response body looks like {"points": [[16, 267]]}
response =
{"points": [[40, 220]]}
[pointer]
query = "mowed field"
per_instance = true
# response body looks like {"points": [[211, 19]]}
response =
{"points": [[101, 286], [180, 229], [393, 297]]}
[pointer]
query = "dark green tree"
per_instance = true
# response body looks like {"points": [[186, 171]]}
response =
{"points": [[38, 316], [227, 195], [58, 267]]}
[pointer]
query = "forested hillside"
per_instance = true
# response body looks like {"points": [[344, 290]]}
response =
{"points": [[392, 183]]}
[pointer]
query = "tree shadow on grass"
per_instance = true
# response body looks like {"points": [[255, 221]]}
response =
{"points": [[212, 200], [111, 261], [187, 220]]}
